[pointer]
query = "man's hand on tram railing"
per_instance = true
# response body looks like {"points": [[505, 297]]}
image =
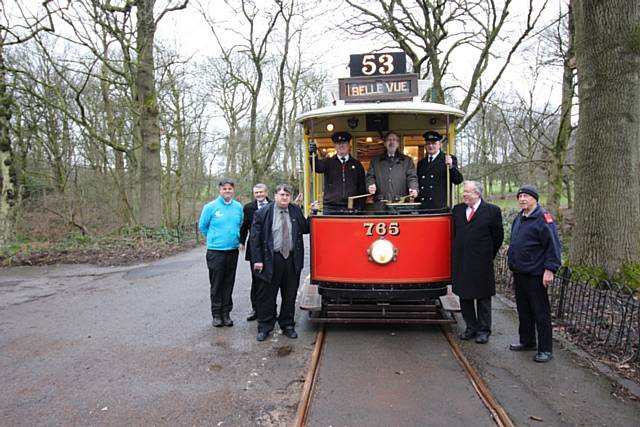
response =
{"points": [[413, 193], [448, 160], [315, 206], [313, 148], [372, 189]]}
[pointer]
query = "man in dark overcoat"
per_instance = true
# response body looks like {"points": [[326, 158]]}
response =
{"points": [[277, 254], [260, 200], [343, 176], [432, 173], [477, 237]]}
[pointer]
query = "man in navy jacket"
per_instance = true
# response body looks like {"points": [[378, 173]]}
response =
{"points": [[534, 257]]}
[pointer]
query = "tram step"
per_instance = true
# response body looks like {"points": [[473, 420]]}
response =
{"points": [[380, 307], [315, 318], [382, 314]]}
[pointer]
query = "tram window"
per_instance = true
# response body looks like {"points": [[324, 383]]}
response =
{"points": [[326, 148], [412, 151]]}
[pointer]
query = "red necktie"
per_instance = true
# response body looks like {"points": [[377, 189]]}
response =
{"points": [[471, 213]]}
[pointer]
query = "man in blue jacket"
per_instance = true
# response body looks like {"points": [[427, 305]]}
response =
{"points": [[220, 225], [534, 257]]}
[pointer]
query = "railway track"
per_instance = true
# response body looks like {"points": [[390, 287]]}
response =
{"points": [[498, 413]]}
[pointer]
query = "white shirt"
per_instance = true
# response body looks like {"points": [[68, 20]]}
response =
{"points": [[475, 208], [345, 157], [433, 156]]}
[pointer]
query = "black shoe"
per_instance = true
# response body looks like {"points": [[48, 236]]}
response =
{"points": [[226, 320], [217, 322], [521, 347], [290, 332], [482, 338], [467, 334], [262, 336], [543, 356], [252, 316]]}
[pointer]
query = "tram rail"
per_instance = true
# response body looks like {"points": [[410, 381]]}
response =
{"points": [[498, 413]]}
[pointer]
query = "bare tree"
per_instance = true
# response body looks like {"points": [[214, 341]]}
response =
{"points": [[560, 41], [259, 36], [23, 29], [432, 34]]}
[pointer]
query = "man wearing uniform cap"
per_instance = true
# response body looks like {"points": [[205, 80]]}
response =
{"points": [[432, 173], [343, 175], [534, 257]]}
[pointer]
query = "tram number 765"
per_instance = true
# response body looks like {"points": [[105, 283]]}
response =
{"points": [[382, 229]]}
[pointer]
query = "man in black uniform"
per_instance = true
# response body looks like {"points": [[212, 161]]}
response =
{"points": [[343, 176], [277, 254], [432, 173], [261, 199], [477, 237], [534, 257]]}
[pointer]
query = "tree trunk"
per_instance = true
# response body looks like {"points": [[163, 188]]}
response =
{"points": [[8, 189], [145, 90], [559, 149], [607, 233]]}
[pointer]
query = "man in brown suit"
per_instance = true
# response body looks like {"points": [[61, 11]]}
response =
{"points": [[477, 237]]}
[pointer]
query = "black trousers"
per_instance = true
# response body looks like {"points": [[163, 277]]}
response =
{"points": [[285, 280], [255, 283], [222, 276], [534, 311], [477, 314]]}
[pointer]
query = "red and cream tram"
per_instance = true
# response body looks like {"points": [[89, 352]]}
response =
{"points": [[387, 263]]}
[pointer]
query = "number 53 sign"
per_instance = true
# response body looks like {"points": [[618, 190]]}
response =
{"points": [[378, 64]]}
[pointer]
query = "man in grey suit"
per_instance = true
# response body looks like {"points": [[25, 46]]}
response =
{"points": [[277, 254]]}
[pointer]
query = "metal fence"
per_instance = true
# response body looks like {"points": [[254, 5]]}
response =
{"points": [[602, 317]]}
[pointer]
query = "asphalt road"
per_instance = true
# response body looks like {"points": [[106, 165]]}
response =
{"points": [[83, 345]]}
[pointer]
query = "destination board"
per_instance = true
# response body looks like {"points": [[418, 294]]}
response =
{"points": [[397, 87]]}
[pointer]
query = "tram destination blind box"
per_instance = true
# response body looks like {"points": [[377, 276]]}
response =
{"points": [[378, 77]]}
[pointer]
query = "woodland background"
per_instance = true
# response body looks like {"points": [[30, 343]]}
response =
{"points": [[108, 125]]}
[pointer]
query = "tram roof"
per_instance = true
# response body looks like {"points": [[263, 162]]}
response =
{"points": [[380, 107]]}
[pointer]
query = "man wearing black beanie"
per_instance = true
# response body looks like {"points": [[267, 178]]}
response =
{"points": [[534, 257]]}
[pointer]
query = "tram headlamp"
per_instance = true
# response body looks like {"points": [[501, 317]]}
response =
{"points": [[330, 127], [382, 252]]}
